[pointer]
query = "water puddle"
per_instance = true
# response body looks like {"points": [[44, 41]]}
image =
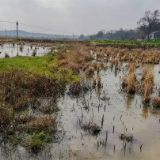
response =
{"points": [[13, 50]]}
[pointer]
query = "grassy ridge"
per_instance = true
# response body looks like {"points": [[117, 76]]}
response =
{"points": [[151, 42]]}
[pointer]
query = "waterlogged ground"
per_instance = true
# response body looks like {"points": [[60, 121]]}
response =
{"points": [[123, 114], [13, 50]]}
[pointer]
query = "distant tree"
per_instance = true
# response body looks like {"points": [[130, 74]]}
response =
{"points": [[81, 36], [100, 34], [150, 22]]}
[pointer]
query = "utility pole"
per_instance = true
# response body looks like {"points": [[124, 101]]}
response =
{"points": [[5, 32], [17, 29], [73, 35]]}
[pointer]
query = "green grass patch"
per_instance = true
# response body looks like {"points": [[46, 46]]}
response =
{"points": [[38, 139], [151, 42], [46, 65]]}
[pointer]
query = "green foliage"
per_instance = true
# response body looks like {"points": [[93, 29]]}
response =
{"points": [[151, 42], [46, 65], [38, 139]]}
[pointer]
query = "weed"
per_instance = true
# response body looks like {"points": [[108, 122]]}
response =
{"points": [[37, 141]]}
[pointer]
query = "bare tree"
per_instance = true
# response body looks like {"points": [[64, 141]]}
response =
{"points": [[150, 22]]}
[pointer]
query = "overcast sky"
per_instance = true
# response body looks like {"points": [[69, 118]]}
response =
{"points": [[78, 16]]}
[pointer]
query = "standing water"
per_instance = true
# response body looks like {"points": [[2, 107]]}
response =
{"points": [[13, 50], [128, 130]]}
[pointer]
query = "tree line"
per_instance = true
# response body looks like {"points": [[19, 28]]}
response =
{"points": [[149, 23]]}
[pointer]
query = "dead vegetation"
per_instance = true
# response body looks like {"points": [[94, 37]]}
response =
{"points": [[156, 102], [21, 91], [77, 88], [144, 86], [20, 88], [147, 85], [124, 137], [90, 127], [129, 83], [37, 123]]}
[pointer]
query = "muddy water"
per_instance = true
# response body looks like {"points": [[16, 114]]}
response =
{"points": [[125, 113], [120, 111], [27, 50]]}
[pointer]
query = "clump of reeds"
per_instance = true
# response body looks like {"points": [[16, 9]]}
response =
{"points": [[34, 53], [90, 127], [76, 88], [115, 62], [39, 124], [99, 82], [94, 83], [144, 73], [124, 137], [156, 102], [21, 48], [129, 83], [131, 67], [97, 66], [147, 85], [89, 71], [7, 55]]}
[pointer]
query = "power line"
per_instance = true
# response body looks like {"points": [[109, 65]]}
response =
{"points": [[7, 21], [44, 28], [37, 27]]}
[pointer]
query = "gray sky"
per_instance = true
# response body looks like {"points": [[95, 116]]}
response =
{"points": [[78, 16]]}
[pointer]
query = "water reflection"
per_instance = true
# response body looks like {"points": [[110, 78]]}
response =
{"points": [[129, 100], [145, 112], [8, 50]]}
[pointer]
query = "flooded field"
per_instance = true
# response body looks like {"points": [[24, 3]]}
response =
{"points": [[13, 50], [102, 121]]}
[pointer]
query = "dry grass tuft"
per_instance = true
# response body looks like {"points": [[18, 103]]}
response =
{"points": [[131, 67], [77, 88], [89, 71], [147, 84], [38, 124], [156, 102], [90, 127], [129, 83]]}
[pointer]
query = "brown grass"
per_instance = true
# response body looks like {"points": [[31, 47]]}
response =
{"points": [[89, 70], [6, 115], [39, 123], [147, 84], [129, 83], [156, 102], [21, 88], [131, 67]]}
